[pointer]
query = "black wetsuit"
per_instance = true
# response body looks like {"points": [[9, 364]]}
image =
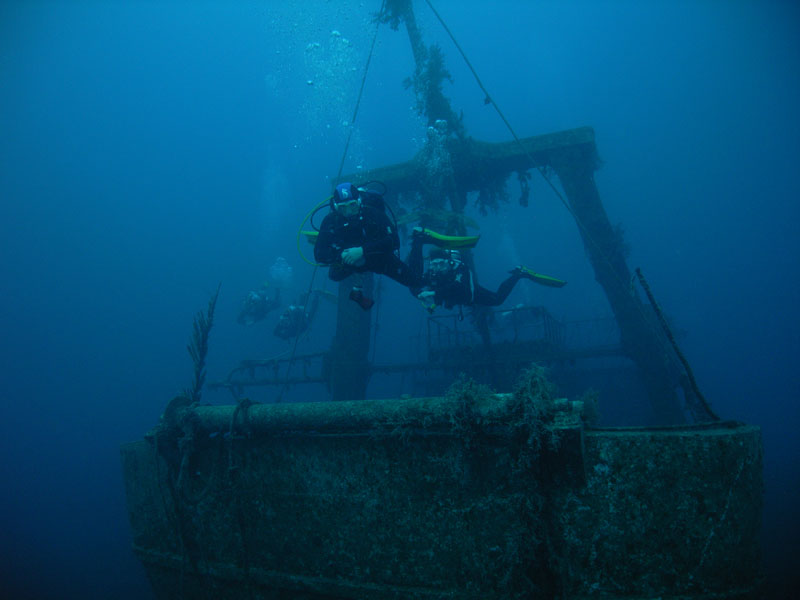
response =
{"points": [[372, 230], [455, 286]]}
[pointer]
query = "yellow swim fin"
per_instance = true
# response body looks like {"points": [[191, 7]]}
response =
{"points": [[539, 278], [446, 241], [311, 236]]}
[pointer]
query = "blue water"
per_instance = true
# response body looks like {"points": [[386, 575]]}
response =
{"points": [[149, 151]]}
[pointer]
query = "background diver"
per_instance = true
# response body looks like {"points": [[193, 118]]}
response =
{"points": [[295, 320], [257, 304]]}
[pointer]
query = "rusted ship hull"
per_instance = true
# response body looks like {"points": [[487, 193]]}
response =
{"points": [[437, 498]]}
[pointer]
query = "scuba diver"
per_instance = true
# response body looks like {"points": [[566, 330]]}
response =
{"points": [[257, 304], [357, 236], [295, 320], [449, 282]]}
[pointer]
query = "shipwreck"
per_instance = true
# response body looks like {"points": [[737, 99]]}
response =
{"points": [[495, 480]]}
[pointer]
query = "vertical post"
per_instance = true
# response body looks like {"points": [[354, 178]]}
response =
{"points": [[641, 338], [349, 361]]}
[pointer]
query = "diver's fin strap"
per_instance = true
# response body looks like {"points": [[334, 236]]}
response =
{"points": [[447, 241], [541, 279]]}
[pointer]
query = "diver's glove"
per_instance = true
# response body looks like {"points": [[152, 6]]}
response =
{"points": [[354, 257]]}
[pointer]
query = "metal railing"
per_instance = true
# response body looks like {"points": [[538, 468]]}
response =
{"points": [[524, 334], [524, 323]]}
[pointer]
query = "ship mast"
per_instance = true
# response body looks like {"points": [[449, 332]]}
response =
{"points": [[436, 182]]}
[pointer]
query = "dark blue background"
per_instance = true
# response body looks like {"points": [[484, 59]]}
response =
{"points": [[150, 150]]}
